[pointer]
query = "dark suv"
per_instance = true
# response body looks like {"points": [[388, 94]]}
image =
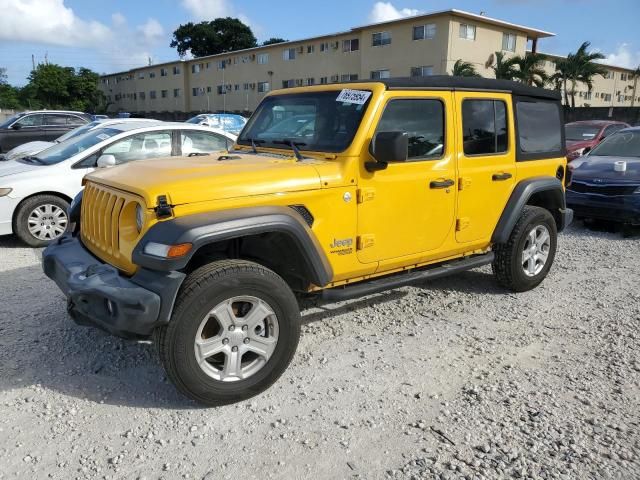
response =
{"points": [[45, 125]]}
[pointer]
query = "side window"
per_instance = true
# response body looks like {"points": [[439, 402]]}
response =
{"points": [[611, 129], [539, 129], [484, 127], [201, 142], [55, 120], [422, 120], [75, 120], [141, 146], [30, 121]]}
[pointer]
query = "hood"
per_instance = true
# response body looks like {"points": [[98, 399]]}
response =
{"points": [[26, 149], [198, 179], [578, 144], [594, 168], [12, 167]]}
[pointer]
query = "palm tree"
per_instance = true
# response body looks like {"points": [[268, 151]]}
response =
{"points": [[464, 69], [531, 69], [636, 74], [504, 68], [579, 67]]}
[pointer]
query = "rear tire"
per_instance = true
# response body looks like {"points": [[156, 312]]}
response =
{"points": [[41, 219], [524, 261], [215, 357]]}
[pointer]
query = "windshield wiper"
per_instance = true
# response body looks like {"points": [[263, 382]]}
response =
{"points": [[254, 142], [32, 159], [294, 146]]}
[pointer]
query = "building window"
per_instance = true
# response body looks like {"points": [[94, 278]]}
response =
{"points": [[289, 54], [141, 76], [152, 94], [379, 74], [142, 95], [288, 83], [424, 32], [176, 70], [311, 81], [587, 96], [195, 91], [324, 80], [207, 65], [195, 68], [608, 74], [468, 32], [164, 72], [263, 58], [351, 45], [152, 74], [422, 71], [311, 48], [324, 47], [623, 76], [236, 87], [263, 87], [209, 89], [176, 92], [381, 38], [606, 97], [349, 77], [509, 42], [484, 127], [164, 93]]}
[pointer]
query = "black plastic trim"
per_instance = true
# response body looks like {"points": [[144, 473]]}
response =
{"points": [[520, 197], [206, 228]]}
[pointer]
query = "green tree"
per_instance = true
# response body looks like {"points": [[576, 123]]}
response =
{"points": [[531, 69], [273, 41], [210, 38], [578, 67], [504, 68], [464, 69]]}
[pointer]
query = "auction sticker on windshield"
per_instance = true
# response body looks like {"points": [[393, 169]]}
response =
{"points": [[357, 97]]}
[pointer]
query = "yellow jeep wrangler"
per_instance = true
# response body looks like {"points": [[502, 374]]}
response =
{"points": [[338, 191]]}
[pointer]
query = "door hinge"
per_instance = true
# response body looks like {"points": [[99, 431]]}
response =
{"points": [[365, 241], [366, 194], [464, 183], [462, 223]]}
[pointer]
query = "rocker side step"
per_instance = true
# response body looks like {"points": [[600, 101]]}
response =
{"points": [[398, 280]]}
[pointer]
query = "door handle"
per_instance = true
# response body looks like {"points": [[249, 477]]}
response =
{"points": [[442, 183], [499, 177]]}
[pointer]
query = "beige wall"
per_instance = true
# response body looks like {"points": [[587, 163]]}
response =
{"points": [[243, 72]]}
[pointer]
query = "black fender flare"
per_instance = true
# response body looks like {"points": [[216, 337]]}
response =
{"points": [[207, 228], [520, 196]]}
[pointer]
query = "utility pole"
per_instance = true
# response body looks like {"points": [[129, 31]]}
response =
{"points": [[33, 61]]}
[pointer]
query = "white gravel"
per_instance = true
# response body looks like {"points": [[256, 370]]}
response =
{"points": [[449, 379]]}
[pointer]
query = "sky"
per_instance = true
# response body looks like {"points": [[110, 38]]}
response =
{"points": [[121, 34]]}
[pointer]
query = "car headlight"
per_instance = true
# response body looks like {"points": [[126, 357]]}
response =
{"points": [[5, 191], [139, 217]]}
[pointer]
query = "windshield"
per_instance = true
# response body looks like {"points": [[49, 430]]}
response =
{"points": [[63, 151], [10, 120], [620, 144], [315, 121], [76, 132], [580, 133]]}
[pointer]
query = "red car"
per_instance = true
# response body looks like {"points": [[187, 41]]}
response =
{"points": [[583, 136]]}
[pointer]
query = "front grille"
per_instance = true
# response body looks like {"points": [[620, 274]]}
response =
{"points": [[99, 219], [606, 190]]}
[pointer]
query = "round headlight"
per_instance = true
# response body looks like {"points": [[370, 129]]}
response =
{"points": [[139, 217]]}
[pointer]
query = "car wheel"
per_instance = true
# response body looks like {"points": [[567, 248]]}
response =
{"points": [[524, 261], [233, 332], [41, 219]]}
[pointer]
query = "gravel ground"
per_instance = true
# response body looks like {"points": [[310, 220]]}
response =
{"points": [[449, 379]]}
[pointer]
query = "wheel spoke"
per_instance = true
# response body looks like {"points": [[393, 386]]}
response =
{"points": [[232, 365], [542, 256], [262, 346], [532, 237], [209, 347], [531, 266], [543, 239], [526, 255], [224, 314], [256, 315]]}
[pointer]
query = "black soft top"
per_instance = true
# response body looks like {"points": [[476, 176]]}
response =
{"points": [[448, 82]]}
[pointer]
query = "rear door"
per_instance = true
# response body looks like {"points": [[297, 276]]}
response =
{"points": [[486, 162]]}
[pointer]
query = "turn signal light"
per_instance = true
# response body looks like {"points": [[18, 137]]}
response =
{"points": [[179, 250], [167, 251]]}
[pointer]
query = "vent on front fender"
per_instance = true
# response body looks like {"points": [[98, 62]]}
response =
{"points": [[304, 212]]}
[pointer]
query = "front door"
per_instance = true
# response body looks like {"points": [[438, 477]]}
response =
{"points": [[486, 162], [408, 208], [27, 129]]}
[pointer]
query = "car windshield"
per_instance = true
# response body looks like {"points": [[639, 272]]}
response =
{"points": [[579, 133], [76, 132], [10, 120], [620, 144], [63, 151], [317, 121]]}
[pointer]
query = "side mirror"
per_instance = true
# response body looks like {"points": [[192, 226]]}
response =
{"points": [[16, 126], [106, 161], [388, 147]]}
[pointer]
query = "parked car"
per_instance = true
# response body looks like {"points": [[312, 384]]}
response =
{"points": [[32, 148], [225, 121], [605, 184], [403, 180], [45, 125], [35, 191], [582, 136], [99, 117]]}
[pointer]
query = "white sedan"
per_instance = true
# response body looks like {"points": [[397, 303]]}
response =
{"points": [[35, 191]]}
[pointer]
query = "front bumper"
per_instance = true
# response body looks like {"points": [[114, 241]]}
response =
{"points": [[99, 295], [623, 208], [7, 208]]}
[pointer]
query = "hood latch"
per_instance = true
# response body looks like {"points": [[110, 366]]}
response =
{"points": [[163, 208]]}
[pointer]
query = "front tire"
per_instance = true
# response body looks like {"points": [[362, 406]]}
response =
{"points": [[41, 219], [524, 261], [233, 332]]}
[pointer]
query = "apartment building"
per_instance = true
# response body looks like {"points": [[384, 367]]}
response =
{"points": [[422, 45]]}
